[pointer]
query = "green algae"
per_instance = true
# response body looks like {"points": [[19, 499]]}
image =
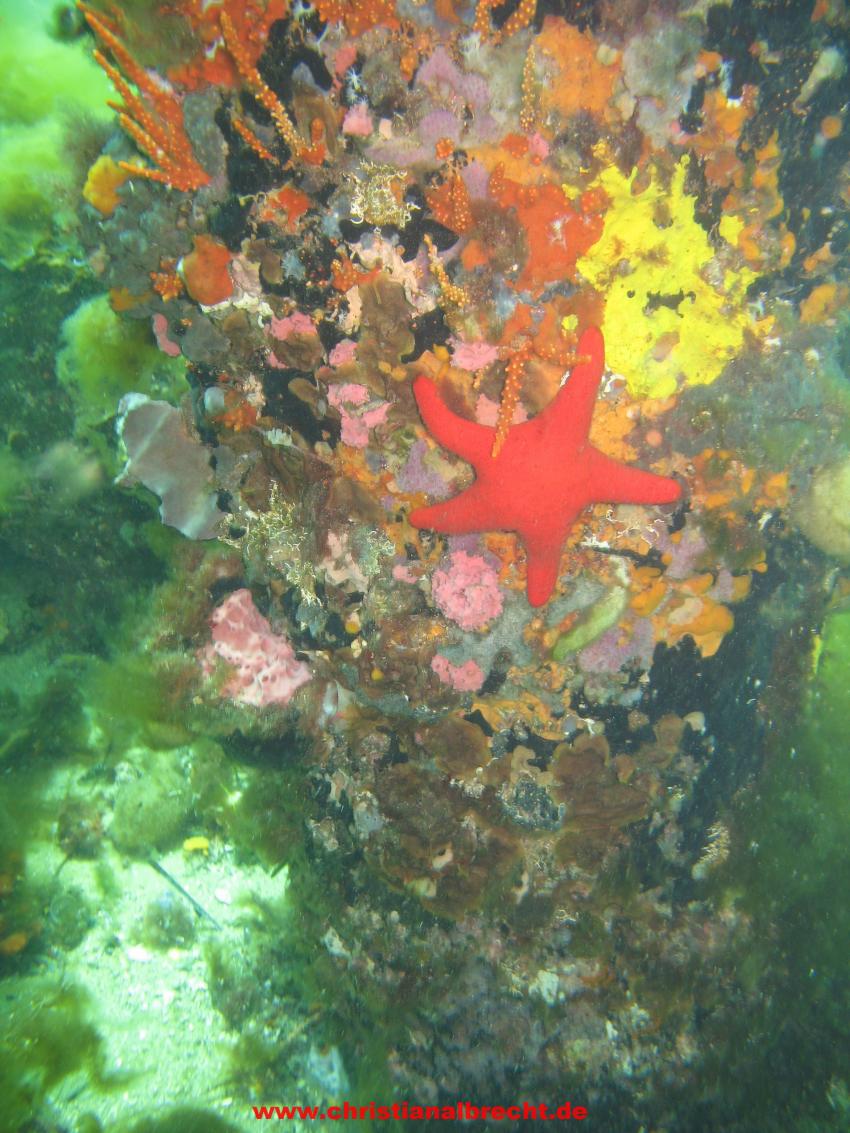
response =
{"points": [[799, 827], [152, 809], [133, 698], [792, 856], [46, 1035], [105, 357], [46, 85]]}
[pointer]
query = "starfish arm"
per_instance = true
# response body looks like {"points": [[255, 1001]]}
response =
{"points": [[543, 556], [616, 483], [467, 512], [570, 413], [467, 439]]}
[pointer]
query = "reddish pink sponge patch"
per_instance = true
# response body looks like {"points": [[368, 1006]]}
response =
{"points": [[266, 668]]}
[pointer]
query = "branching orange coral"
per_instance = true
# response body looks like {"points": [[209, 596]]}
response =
{"points": [[451, 293], [358, 15], [510, 395], [520, 18], [451, 205], [243, 58], [214, 65], [153, 117], [251, 140]]}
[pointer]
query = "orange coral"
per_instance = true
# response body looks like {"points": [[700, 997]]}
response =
{"points": [[451, 293], [166, 282], [205, 271], [529, 90], [481, 23], [450, 204], [344, 275], [358, 15], [251, 140], [520, 18], [551, 341], [240, 49], [510, 395], [153, 118], [214, 65], [251, 21], [444, 148]]}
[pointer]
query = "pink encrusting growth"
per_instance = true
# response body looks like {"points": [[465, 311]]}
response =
{"points": [[467, 591], [160, 331], [358, 121], [358, 411], [468, 677], [297, 323], [266, 670], [473, 356], [343, 353]]}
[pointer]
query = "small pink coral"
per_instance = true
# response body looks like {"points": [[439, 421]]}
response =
{"points": [[349, 393], [358, 121], [357, 412], [467, 677], [473, 355], [344, 57], [402, 572], [538, 146], [266, 669], [343, 353], [160, 331], [297, 323], [467, 591]]}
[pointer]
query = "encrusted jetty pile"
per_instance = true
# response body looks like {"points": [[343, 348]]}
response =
{"points": [[505, 356]]}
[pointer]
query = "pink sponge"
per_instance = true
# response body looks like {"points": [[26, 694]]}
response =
{"points": [[467, 591], [267, 671]]}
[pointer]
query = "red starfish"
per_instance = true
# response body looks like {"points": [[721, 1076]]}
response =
{"points": [[545, 474]]}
